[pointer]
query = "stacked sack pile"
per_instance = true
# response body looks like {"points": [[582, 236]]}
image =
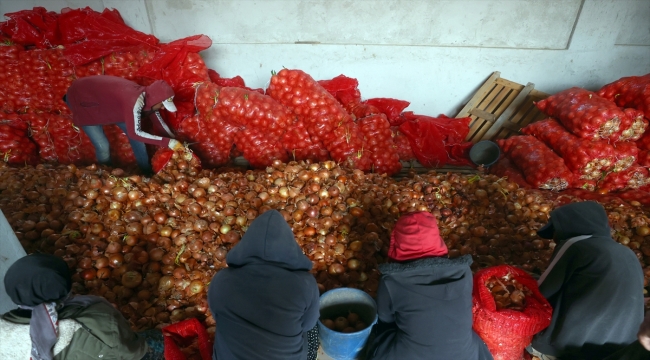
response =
{"points": [[296, 118], [590, 142]]}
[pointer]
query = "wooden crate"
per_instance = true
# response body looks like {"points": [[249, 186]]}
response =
{"points": [[500, 108]]}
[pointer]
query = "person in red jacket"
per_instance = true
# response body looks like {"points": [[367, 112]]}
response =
{"points": [[103, 100]]}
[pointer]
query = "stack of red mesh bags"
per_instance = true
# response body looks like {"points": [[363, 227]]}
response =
{"points": [[598, 141], [296, 118], [589, 116]]}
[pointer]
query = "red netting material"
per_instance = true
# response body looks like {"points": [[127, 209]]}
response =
{"points": [[186, 333], [507, 332]]}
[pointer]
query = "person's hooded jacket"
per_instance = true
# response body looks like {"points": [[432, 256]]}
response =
{"points": [[424, 299], [105, 100], [86, 327], [266, 300], [595, 287]]}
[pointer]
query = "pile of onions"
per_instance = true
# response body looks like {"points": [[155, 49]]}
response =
{"points": [[150, 246]]}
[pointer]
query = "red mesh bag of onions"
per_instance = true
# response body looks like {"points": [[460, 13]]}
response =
{"points": [[584, 113], [508, 310], [541, 167], [588, 158], [632, 178], [187, 334], [505, 169], [631, 91]]}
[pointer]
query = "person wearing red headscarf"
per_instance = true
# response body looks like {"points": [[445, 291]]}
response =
{"points": [[424, 300]]}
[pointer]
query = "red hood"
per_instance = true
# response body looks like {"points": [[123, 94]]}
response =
{"points": [[415, 236], [156, 93]]}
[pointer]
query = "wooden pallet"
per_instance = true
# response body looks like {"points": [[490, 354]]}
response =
{"points": [[500, 108]]}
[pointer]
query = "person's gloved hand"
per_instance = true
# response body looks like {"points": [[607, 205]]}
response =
{"points": [[175, 145], [644, 333]]}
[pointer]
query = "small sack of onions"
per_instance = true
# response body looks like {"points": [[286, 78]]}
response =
{"points": [[508, 310]]}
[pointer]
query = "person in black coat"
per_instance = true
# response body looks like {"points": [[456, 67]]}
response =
{"points": [[424, 298], [594, 285], [266, 301]]}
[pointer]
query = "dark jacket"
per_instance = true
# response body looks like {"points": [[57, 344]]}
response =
{"points": [[104, 100], [104, 333], [425, 311], [266, 300], [595, 288]]}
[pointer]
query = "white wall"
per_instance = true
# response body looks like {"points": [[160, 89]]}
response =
{"points": [[433, 53]]}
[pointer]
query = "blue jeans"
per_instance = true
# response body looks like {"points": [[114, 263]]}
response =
{"points": [[103, 152]]}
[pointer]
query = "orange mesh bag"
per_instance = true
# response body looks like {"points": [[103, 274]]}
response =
{"points": [[507, 320]]}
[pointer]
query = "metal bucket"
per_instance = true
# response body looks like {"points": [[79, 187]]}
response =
{"points": [[346, 346]]}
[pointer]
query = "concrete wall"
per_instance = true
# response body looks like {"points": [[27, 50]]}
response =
{"points": [[432, 53]]}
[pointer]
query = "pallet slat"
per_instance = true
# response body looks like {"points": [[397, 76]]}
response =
{"points": [[500, 108]]}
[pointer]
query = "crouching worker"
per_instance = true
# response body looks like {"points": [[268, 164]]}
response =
{"points": [[265, 303], [424, 298], [594, 285], [52, 324]]}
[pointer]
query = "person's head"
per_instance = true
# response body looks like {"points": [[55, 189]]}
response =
{"points": [[270, 240], [36, 279], [575, 219], [416, 236], [158, 95]]}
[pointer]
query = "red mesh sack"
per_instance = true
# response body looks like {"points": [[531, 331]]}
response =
{"points": [[403, 145], [343, 88], [346, 146], [392, 108], [236, 81], [10, 77], [180, 65], [631, 91], [634, 125], [542, 167], [584, 113], [299, 145], [632, 178], [433, 140], [505, 331], [625, 154], [15, 146], [37, 27], [379, 142], [89, 35], [644, 158], [185, 337], [644, 142], [587, 158], [212, 142], [506, 169], [259, 149], [320, 112]]}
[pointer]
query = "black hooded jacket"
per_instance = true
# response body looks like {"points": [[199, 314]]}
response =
{"points": [[266, 300], [595, 288], [425, 311]]}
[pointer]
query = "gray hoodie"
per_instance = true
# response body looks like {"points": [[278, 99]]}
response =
{"points": [[266, 300], [595, 288]]}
